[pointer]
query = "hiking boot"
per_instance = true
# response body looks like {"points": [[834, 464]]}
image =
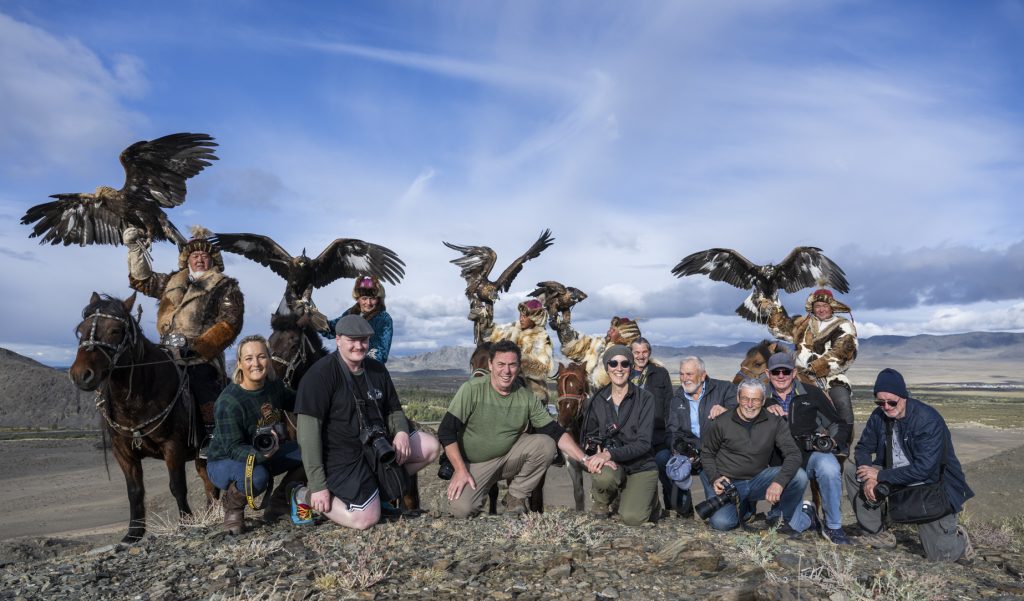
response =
{"points": [[301, 512], [836, 536], [969, 552], [234, 510], [515, 506], [879, 540], [600, 511]]}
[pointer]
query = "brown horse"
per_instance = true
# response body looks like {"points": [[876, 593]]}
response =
{"points": [[573, 390], [755, 364], [140, 395]]}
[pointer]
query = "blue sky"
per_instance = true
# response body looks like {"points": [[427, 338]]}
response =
{"points": [[889, 134]]}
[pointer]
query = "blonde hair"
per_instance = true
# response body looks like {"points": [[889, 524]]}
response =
{"points": [[238, 377]]}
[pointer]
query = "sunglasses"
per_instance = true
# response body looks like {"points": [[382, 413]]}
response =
{"points": [[782, 371], [889, 404], [616, 363]]}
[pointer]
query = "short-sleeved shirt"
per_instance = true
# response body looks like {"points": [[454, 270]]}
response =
{"points": [[323, 394], [493, 423]]}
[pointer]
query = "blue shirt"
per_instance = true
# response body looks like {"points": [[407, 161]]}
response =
{"points": [[695, 407], [785, 401]]}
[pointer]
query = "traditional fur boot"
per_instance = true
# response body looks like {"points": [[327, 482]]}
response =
{"points": [[234, 510], [280, 504]]}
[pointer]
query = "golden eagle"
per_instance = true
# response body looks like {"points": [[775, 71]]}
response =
{"points": [[558, 299], [343, 258], [477, 261], [804, 267], [155, 173]]}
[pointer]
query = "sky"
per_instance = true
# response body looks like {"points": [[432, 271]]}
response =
{"points": [[891, 135]]}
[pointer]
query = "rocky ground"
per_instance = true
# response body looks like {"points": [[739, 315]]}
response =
{"points": [[558, 554]]}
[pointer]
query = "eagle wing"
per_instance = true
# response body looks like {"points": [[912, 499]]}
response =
{"points": [[350, 258], [258, 248], [77, 219], [505, 280], [156, 170], [806, 266], [721, 265], [476, 261], [549, 289]]}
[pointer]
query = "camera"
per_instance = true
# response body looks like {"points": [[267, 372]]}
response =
{"points": [[706, 509], [445, 469], [375, 438], [819, 442], [265, 442], [683, 447], [595, 444], [882, 491]]}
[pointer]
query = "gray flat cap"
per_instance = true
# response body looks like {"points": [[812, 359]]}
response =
{"points": [[353, 326]]}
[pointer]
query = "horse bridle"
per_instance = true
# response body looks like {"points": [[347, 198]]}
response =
{"points": [[305, 348], [564, 399], [128, 340]]}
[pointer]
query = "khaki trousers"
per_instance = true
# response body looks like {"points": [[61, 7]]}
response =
{"points": [[637, 493], [525, 464]]}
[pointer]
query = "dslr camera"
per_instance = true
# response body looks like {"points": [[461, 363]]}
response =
{"points": [[594, 444], [706, 509], [690, 450], [818, 442], [882, 491], [375, 438], [265, 442], [445, 469]]}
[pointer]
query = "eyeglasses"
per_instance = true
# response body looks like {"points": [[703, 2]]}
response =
{"points": [[889, 404], [782, 371], [617, 363]]}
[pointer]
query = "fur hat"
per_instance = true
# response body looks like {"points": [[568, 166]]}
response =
{"points": [[533, 309], [628, 329], [824, 295], [368, 285], [200, 241]]}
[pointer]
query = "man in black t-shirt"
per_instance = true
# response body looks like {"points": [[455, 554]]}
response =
{"points": [[342, 485]]}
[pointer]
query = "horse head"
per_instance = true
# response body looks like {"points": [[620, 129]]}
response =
{"points": [[479, 361], [573, 388], [107, 335], [294, 345], [755, 364]]}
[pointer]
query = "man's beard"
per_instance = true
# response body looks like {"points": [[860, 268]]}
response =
{"points": [[195, 275]]}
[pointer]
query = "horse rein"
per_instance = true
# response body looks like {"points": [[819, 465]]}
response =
{"points": [[305, 348], [129, 339]]}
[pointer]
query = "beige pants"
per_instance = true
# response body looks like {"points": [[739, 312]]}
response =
{"points": [[525, 463]]}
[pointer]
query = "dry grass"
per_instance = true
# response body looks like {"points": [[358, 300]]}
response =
{"points": [[836, 574], [275, 592], [555, 527], [351, 560], [761, 550], [359, 573], [164, 524]]}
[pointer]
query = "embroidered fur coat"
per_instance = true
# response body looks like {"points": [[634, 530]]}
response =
{"points": [[824, 349], [587, 350], [208, 311]]}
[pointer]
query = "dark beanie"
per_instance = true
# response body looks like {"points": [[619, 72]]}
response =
{"points": [[890, 380]]}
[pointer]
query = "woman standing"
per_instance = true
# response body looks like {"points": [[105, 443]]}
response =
{"points": [[255, 398], [617, 434]]}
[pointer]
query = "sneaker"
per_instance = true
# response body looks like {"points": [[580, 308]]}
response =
{"points": [[836, 536], [812, 513], [880, 540], [302, 513], [969, 552]]}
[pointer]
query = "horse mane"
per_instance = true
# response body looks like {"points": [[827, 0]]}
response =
{"points": [[289, 321], [763, 348]]}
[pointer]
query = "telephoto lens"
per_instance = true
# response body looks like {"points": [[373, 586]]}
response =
{"points": [[445, 469], [881, 492], [707, 508]]}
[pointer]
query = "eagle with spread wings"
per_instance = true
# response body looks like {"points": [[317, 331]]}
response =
{"points": [[155, 173], [804, 267], [558, 299], [476, 263], [343, 258]]}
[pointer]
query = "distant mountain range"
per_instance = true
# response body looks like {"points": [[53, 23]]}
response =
{"points": [[977, 345]]}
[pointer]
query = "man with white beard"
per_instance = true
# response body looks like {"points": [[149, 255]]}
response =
{"points": [[698, 400]]}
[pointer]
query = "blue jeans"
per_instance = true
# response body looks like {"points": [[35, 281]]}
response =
{"points": [[824, 468], [753, 490], [223, 472]]}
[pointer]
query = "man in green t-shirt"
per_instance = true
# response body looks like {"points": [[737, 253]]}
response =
{"points": [[484, 436]]}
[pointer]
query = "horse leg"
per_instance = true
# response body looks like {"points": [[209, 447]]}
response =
{"points": [[174, 459], [411, 500], [537, 496], [576, 476], [212, 492], [492, 499], [131, 466]]}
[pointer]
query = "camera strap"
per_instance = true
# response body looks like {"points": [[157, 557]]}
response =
{"points": [[250, 497], [359, 400]]}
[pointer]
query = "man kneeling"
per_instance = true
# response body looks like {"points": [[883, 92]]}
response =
{"points": [[342, 485], [736, 450], [484, 437]]}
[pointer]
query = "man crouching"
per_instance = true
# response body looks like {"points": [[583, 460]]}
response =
{"points": [[342, 485], [484, 436]]}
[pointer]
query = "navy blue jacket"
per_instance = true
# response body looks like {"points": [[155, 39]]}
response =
{"points": [[719, 392], [922, 433]]}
